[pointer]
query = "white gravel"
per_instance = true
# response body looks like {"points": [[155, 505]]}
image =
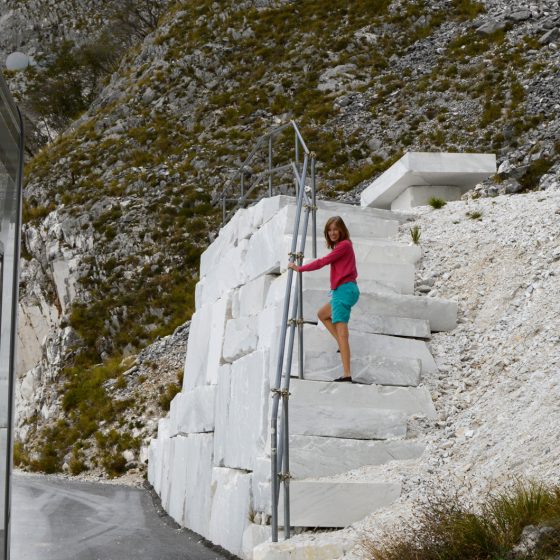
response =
{"points": [[497, 393]]}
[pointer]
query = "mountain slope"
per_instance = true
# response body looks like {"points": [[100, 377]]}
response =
{"points": [[119, 206]]}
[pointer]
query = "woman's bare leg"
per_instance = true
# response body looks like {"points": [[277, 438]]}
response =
{"points": [[341, 330], [325, 316]]}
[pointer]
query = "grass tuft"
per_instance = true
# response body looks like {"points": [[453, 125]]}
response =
{"points": [[446, 528], [436, 203]]}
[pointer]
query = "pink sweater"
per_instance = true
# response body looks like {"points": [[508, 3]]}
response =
{"points": [[342, 261]]}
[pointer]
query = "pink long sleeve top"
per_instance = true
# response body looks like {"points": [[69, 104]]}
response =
{"points": [[342, 261]]}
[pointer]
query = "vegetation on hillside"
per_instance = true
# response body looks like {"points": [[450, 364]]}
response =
{"points": [[139, 169], [522, 523]]}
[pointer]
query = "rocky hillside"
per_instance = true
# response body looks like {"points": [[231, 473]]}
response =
{"points": [[119, 206]]}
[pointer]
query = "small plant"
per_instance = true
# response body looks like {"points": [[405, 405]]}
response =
{"points": [[415, 234], [474, 215], [449, 528], [436, 203]]}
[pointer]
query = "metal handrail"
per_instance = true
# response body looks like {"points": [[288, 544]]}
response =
{"points": [[227, 195], [280, 451]]}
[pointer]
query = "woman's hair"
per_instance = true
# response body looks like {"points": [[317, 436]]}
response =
{"points": [[341, 226]]}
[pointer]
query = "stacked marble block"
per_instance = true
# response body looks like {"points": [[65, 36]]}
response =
{"points": [[210, 462]]}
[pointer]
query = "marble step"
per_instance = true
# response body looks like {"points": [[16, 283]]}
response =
{"points": [[441, 313], [406, 400], [336, 504], [346, 421], [358, 222], [316, 339], [312, 456], [369, 370], [372, 277]]}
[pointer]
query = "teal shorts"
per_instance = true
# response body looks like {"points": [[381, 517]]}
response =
{"points": [[342, 301]]}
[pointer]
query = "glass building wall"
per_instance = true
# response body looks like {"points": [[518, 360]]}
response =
{"points": [[11, 158]]}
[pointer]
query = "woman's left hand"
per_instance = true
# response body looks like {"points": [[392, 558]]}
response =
{"points": [[293, 266]]}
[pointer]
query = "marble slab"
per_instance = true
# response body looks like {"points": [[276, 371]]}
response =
{"points": [[193, 411], [178, 479], [241, 337], [372, 369], [408, 400], [198, 485], [441, 313], [427, 169], [337, 504], [344, 421], [318, 339], [247, 424], [313, 457], [231, 504]]}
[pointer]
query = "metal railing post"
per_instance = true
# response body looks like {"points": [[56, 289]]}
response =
{"points": [[278, 378], [314, 204], [292, 314], [270, 166]]}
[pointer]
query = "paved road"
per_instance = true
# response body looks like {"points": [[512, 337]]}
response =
{"points": [[57, 519]]}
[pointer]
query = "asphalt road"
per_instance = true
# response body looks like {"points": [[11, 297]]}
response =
{"points": [[57, 519]]}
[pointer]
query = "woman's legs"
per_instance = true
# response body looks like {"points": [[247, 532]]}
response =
{"points": [[340, 333], [344, 346], [325, 316]]}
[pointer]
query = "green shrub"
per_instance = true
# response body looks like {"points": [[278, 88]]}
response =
{"points": [[436, 202], [449, 529], [537, 168], [474, 215]]}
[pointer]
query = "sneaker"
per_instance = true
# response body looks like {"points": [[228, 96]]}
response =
{"points": [[346, 379]]}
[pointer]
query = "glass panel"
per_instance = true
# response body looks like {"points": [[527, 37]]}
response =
{"points": [[10, 224]]}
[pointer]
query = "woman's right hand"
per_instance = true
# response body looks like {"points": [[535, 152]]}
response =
{"points": [[293, 266]]}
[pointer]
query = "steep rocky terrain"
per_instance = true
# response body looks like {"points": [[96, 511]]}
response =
{"points": [[119, 205]]}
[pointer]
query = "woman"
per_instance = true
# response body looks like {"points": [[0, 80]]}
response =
{"points": [[344, 290]]}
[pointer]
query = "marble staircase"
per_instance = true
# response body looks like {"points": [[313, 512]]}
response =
{"points": [[211, 460]]}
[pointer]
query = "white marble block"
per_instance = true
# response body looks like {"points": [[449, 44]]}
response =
{"points": [[428, 169], [336, 504], [252, 296], [441, 313], [193, 411], [223, 400], [229, 273], [178, 479], [231, 505], [312, 456], [154, 463], [252, 537], [196, 360], [380, 370], [247, 424], [343, 421], [408, 400], [204, 348], [240, 338], [317, 339], [260, 484], [168, 448], [198, 487], [420, 196]]}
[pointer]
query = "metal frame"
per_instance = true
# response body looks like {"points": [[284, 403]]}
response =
{"points": [[279, 428], [11, 144]]}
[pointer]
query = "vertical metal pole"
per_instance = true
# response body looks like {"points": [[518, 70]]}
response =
{"points": [[296, 143], [274, 452], [300, 321], [286, 472], [270, 166], [242, 181], [314, 209]]}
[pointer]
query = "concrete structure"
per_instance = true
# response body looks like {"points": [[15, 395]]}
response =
{"points": [[419, 176], [211, 460]]}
